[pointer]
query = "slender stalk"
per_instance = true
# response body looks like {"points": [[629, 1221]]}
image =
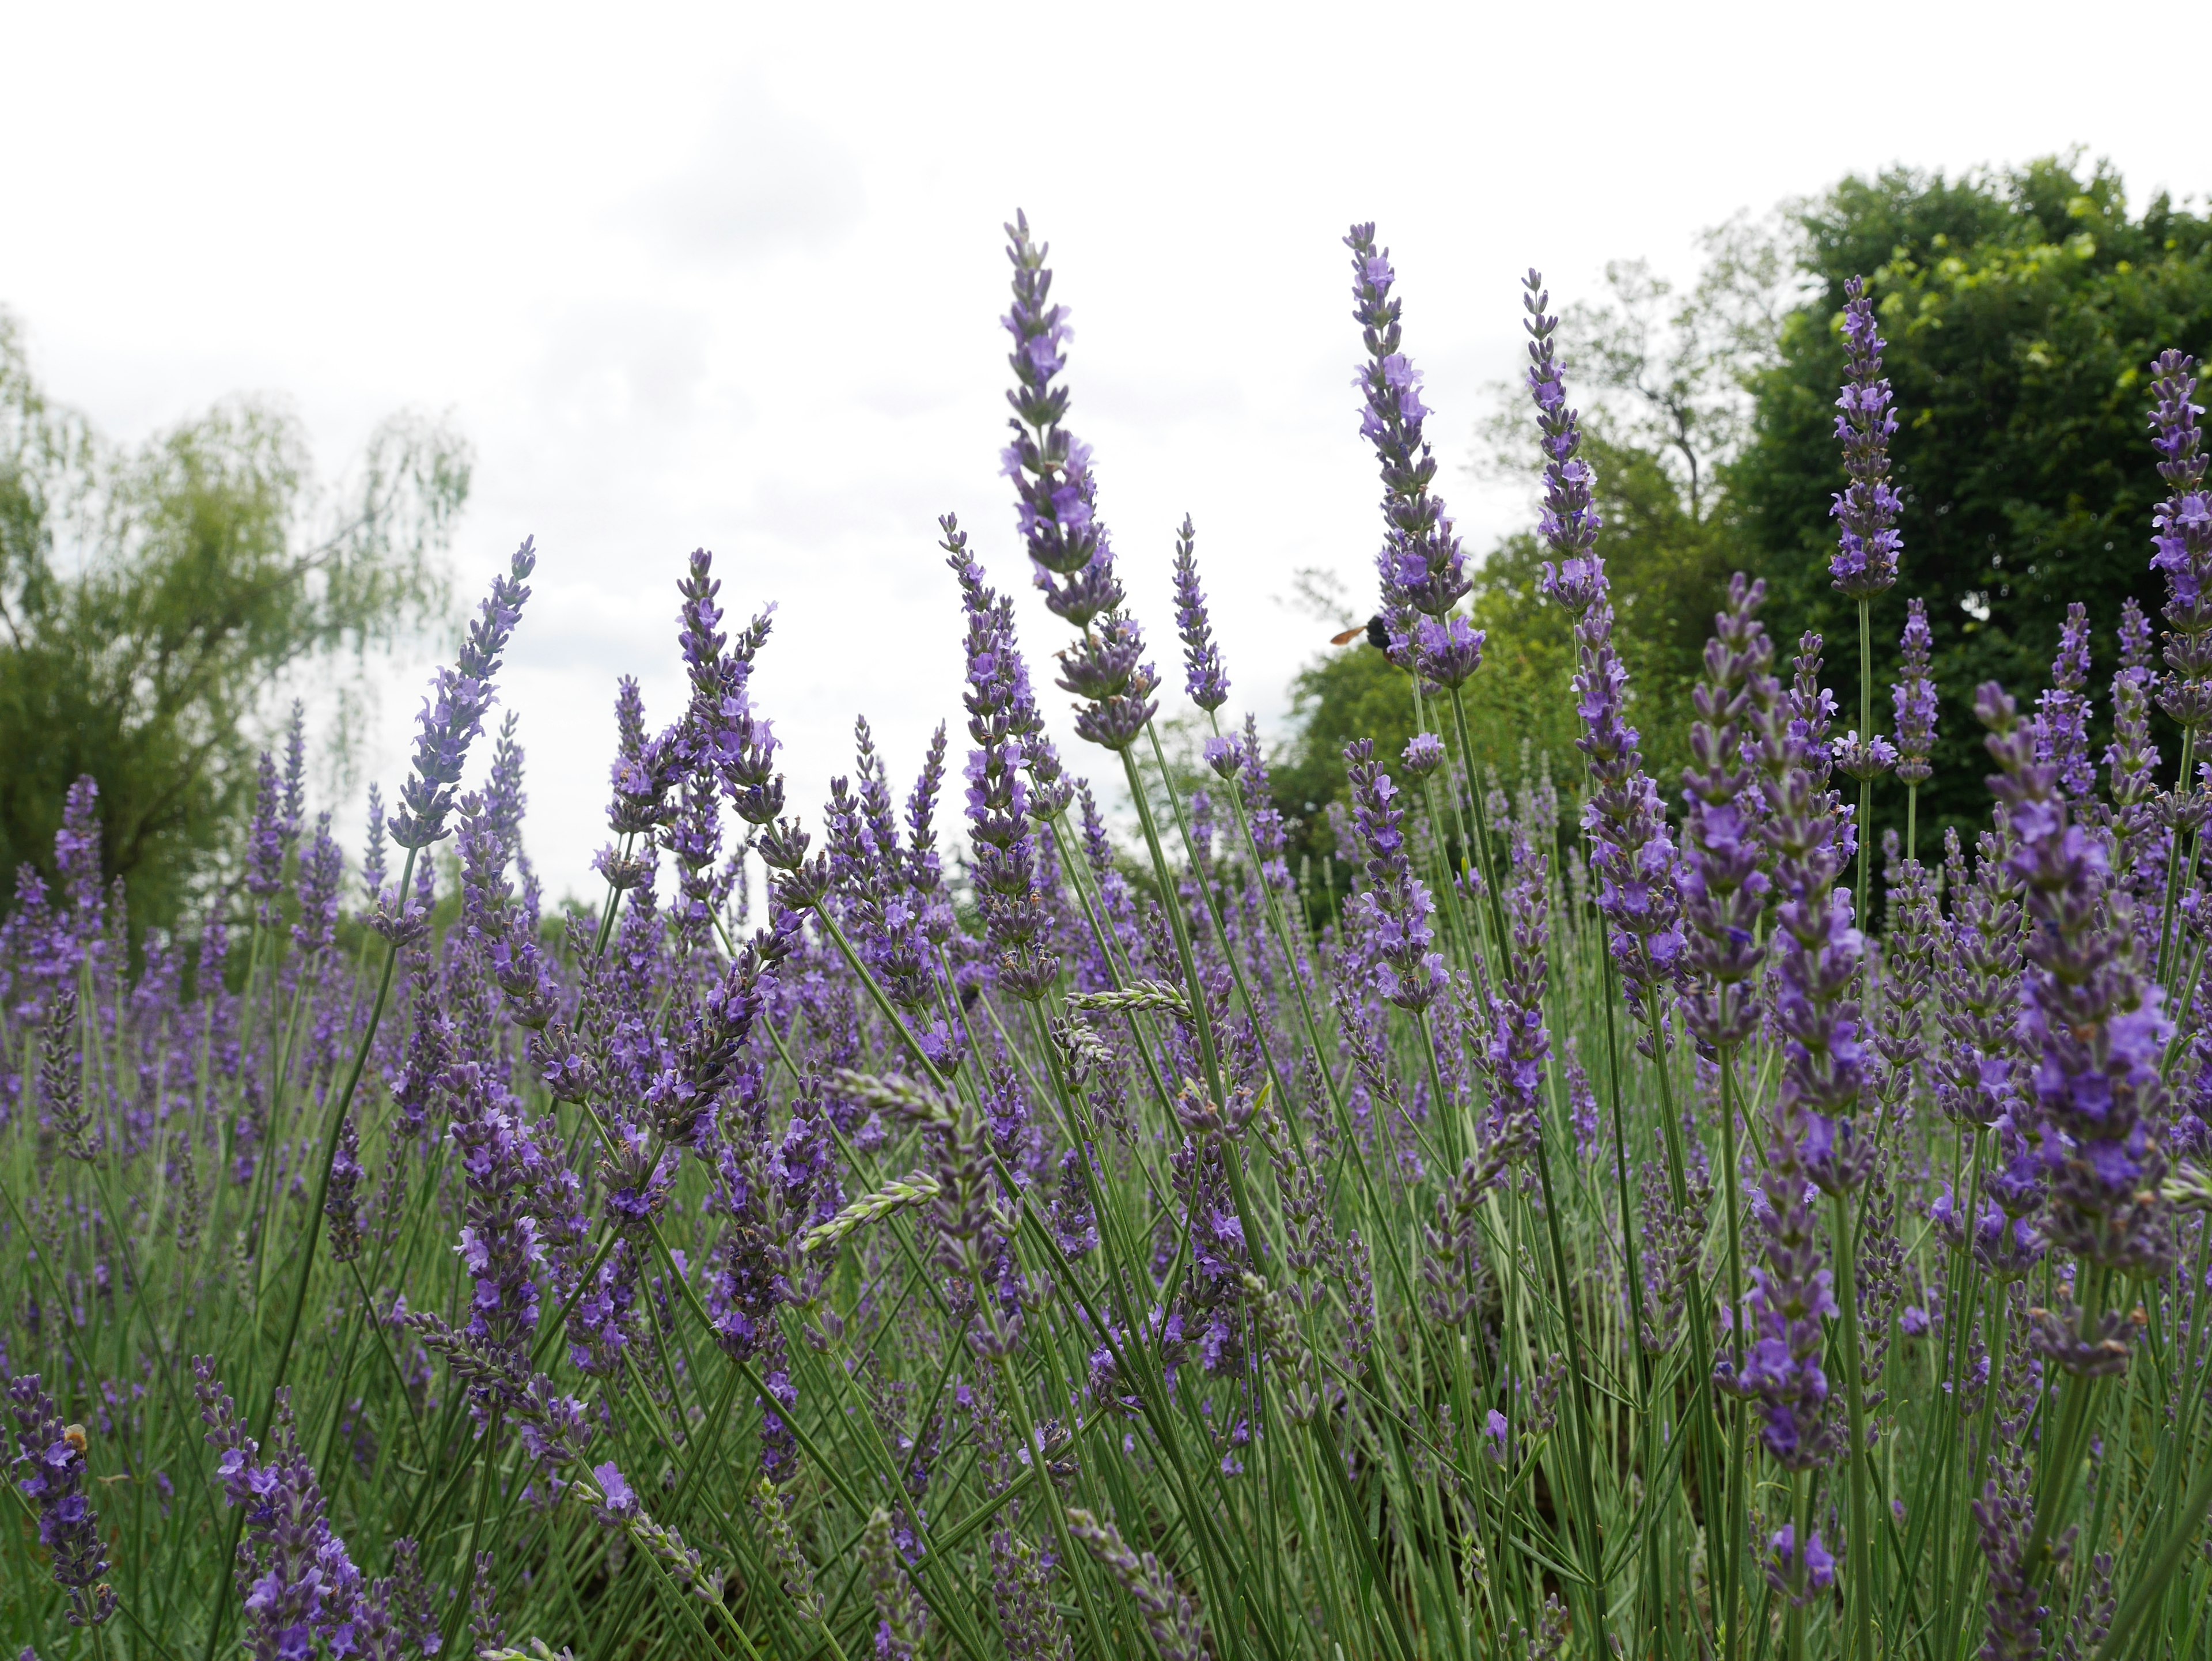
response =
{"points": [[1859, 1593], [1864, 824]]}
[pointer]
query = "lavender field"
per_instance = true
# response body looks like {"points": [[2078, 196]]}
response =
{"points": [[1657, 1217]]}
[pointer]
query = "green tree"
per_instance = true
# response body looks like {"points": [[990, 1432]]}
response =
{"points": [[2021, 308], [153, 600]]}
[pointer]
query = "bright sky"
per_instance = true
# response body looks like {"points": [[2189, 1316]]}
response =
{"points": [[730, 275]]}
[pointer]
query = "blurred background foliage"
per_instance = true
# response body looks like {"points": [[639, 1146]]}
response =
{"points": [[2021, 306], [156, 601]]}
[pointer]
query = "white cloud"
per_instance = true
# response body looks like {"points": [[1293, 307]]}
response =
{"points": [[763, 179], [730, 275]]}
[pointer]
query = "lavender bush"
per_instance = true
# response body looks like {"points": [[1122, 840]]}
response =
{"points": [[927, 1229]]}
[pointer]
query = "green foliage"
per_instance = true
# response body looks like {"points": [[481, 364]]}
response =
{"points": [[151, 600], [2021, 309]]}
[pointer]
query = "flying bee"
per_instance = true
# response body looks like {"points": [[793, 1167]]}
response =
{"points": [[1377, 636]]}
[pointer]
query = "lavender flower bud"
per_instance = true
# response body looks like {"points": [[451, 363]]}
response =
{"points": [[1423, 756]]}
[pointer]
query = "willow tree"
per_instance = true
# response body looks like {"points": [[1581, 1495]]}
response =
{"points": [[155, 599]]}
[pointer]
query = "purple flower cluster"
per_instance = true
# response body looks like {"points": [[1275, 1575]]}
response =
{"points": [[298, 1585], [1865, 564], [1204, 680], [1394, 910], [1912, 700], [1792, 1292], [1058, 511], [1817, 947], [49, 1472], [2094, 1022], [1001, 827], [1422, 566]]}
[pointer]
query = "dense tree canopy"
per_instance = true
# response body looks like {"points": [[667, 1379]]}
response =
{"points": [[152, 599], [2022, 308]]}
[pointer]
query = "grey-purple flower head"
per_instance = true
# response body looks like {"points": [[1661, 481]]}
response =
{"points": [[1206, 680], [453, 713], [1058, 496], [1571, 520], [1865, 562], [1422, 565]]}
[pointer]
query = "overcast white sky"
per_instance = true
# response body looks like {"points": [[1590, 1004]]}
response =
{"points": [[729, 276]]}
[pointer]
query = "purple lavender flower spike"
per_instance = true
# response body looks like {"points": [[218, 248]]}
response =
{"points": [[264, 844], [1865, 562], [2182, 536], [77, 859], [49, 1472], [373, 863], [1395, 908], [1206, 680], [2094, 1020], [1912, 700], [1792, 1291], [1519, 1046], [1722, 885], [2004, 1517], [1817, 945], [297, 1583], [322, 868], [296, 773], [1630, 851], [1016, 918], [2062, 737], [453, 714], [1422, 566], [1057, 512]]}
